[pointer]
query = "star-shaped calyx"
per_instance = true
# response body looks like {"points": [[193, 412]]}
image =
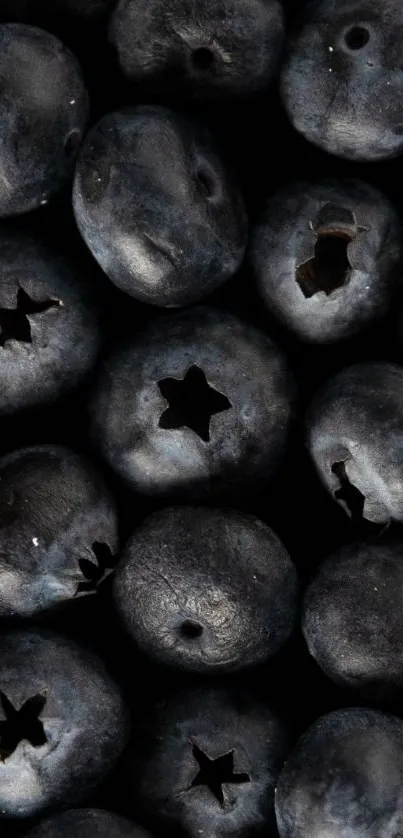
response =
{"points": [[334, 228], [95, 572], [214, 773], [192, 402], [14, 322], [22, 724]]}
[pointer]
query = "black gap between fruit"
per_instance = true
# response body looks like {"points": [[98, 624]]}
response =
{"points": [[94, 572], [21, 725], [352, 497], [329, 268], [213, 773], [14, 323], [192, 403]]}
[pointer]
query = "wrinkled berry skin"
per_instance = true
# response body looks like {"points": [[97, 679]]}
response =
{"points": [[326, 257], [156, 206], [55, 513], [352, 618], [87, 823], [60, 344], [210, 50], [341, 82], [344, 778], [43, 117], [354, 431], [159, 779], [206, 590], [154, 447], [85, 722]]}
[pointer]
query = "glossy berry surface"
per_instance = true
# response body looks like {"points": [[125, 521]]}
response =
{"points": [[344, 777], [352, 618], [58, 530], [213, 50], [211, 764], [157, 208], [327, 258], [206, 590], [200, 403], [43, 117], [62, 722], [342, 62]]}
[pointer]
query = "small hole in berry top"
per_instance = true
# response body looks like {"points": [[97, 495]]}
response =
{"points": [[202, 58], [357, 37], [190, 629]]}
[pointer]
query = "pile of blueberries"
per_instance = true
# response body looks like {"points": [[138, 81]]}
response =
{"points": [[201, 419]]}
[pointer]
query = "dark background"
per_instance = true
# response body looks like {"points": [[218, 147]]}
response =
{"points": [[252, 137]]}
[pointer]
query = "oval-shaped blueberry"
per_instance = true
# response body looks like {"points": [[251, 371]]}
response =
{"points": [[342, 80], [198, 405], [58, 529], [206, 590], [211, 50], [354, 433], [43, 117], [344, 778], [63, 722], [50, 331], [157, 207], [327, 257]]}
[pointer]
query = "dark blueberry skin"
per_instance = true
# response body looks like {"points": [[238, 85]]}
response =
{"points": [[58, 530], [206, 590], [210, 50], [63, 723], [87, 823], [352, 618], [344, 779], [326, 257], [50, 332], [43, 117], [354, 432], [157, 208], [198, 405], [343, 61], [209, 764]]}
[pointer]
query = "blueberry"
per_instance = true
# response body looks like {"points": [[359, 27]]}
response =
{"points": [[209, 764], [87, 823], [354, 431], [211, 50], [344, 778], [352, 618], [50, 331], [156, 206], [206, 590], [342, 81], [58, 529], [63, 722], [198, 405], [326, 257], [43, 117]]}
